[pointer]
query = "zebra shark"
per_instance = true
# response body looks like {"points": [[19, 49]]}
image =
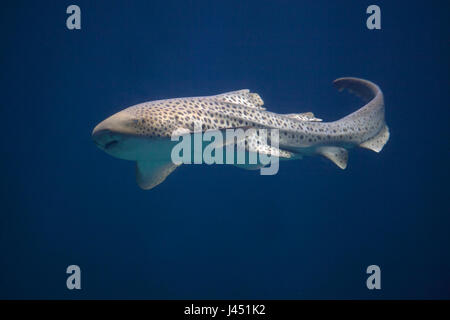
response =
{"points": [[143, 132]]}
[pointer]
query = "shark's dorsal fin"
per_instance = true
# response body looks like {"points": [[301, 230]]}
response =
{"points": [[306, 116], [339, 156], [151, 173], [242, 98]]}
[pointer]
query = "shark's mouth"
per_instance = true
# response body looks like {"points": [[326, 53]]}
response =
{"points": [[111, 144]]}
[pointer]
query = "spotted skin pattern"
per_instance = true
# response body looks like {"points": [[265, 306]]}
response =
{"points": [[143, 133], [244, 109]]}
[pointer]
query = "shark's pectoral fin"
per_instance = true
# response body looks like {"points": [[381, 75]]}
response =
{"points": [[377, 143], [151, 173], [339, 156]]}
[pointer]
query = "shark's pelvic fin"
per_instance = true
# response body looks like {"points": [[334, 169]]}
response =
{"points": [[151, 173], [241, 98], [377, 143], [339, 156], [257, 144], [306, 116], [249, 166]]}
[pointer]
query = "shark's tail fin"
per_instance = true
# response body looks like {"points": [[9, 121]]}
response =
{"points": [[370, 118]]}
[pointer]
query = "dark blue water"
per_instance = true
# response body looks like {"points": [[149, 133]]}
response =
{"points": [[216, 231]]}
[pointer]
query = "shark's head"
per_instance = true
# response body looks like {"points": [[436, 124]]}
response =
{"points": [[132, 134], [117, 135]]}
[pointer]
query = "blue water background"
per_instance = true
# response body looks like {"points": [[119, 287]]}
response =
{"points": [[216, 231]]}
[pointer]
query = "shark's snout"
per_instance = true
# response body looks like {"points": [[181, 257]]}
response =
{"points": [[104, 138], [107, 134]]}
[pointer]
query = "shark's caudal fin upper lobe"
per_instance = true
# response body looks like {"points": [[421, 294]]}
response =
{"points": [[370, 115], [367, 124]]}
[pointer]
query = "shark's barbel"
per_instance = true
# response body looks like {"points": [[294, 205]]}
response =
{"points": [[142, 133]]}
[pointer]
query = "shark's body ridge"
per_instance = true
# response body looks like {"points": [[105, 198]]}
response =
{"points": [[143, 132]]}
